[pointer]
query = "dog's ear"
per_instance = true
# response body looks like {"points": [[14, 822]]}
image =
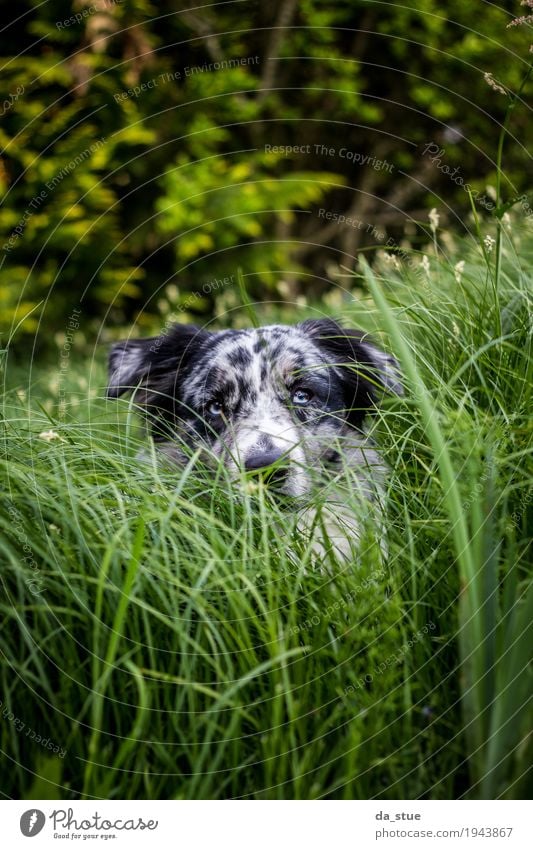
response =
{"points": [[129, 362], [133, 362], [367, 369]]}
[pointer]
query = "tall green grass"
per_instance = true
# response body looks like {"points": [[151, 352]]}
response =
{"points": [[177, 638]]}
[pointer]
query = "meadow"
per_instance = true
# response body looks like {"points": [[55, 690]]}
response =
{"points": [[165, 636]]}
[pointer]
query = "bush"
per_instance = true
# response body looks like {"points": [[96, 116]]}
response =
{"points": [[134, 146]]}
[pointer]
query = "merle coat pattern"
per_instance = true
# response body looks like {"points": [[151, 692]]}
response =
{"points": [[286, 402]]}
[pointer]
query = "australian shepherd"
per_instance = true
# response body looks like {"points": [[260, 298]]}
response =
{"points": [[288, 404]]}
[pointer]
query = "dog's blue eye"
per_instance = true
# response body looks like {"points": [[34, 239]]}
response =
{"points": [[301, 397], [215, 409]]}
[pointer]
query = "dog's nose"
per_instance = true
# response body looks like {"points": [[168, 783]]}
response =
{"points": [[260, 460]]}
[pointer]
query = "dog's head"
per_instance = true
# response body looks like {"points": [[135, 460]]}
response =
{"points": [[281, 398]]}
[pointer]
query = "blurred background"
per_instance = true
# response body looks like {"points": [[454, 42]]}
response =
{"points": [[150, 150]]}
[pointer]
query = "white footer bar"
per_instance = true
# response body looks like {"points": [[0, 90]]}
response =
{"points": [[266, 824]]}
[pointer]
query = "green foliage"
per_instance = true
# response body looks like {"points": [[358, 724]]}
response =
{"points": [[494, 628], [186, 639], [133, 145], [154, 625], [159, 630], [239, 194]]}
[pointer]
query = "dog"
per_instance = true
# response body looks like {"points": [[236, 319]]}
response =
{"points": [[285, 403]]}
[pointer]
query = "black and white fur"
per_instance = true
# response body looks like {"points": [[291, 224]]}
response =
{"points": [[288, 399]]}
